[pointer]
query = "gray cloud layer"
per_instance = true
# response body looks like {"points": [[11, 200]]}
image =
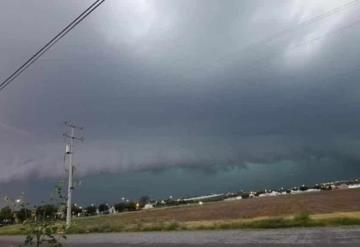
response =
{"points": [[161, 84]]}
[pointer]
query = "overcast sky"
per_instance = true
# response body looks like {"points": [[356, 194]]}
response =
{"points": [[181, 96]]}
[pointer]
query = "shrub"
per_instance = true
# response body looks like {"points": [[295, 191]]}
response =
{"points": [[303, 217], [172, 226]]}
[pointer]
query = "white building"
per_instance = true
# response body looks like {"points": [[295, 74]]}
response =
{"points": [[148, 206], [354, 186], [272, 193], [233, 198], [199, 198], [112, 210]]}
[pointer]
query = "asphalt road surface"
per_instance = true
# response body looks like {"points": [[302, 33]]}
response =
{"points": [[319, 237]]}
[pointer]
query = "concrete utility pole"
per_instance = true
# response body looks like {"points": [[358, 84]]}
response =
{"points": [[69, 152]]}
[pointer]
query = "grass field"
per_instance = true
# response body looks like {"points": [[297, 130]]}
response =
{"points": [[328, 208]]}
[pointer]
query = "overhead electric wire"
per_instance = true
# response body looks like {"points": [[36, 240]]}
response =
{"points": [[51, 43], [254, 64], [97, 3], [340, 29], [309, 21], [253, 47]]}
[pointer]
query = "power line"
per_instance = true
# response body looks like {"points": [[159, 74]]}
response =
{"points": [[258, 59], [309, 21], [97, 3], [51, 43], [254, 46], [340, 29], [306, 42]]}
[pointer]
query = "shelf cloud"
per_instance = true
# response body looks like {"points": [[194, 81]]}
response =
{"points": [[207, 85]]}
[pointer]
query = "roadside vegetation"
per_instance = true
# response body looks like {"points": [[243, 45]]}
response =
{"points": [[300, 220], [106, 224], [40, 224], [302, 210]]}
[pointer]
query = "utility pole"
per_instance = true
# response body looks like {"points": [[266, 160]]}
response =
{"points": [[69, 151]]}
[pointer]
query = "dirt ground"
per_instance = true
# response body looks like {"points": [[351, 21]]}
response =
{"points": [[313, 203]]}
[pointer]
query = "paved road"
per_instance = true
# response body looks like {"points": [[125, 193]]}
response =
{"points": [[319, 237]]}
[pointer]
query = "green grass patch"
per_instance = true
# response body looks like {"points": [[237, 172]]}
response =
{"points": [[12, 230], [108, 224]]}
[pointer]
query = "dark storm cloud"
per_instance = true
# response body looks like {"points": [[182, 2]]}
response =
{"points": [[164, 84]]}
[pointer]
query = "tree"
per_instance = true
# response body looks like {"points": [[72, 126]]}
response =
{"points": [[90, 210], [120, 207], [42, 227], [103, 208], [6, 215], [245, 195], [259, 192], [125, 206], [46, 211], [131, 206], [44, 231], [144, 200], [304, 188], [23, 214], [76, 210]]}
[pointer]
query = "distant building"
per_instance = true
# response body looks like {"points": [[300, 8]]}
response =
{"points": [[252, 194], [342, 186], [354, 186], [233, 198], [148, 206], [112, 210], [272, 193], [304, 191], [207, 197]]}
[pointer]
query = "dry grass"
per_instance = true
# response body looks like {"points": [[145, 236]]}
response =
{"points": [[313, 203], [259, 212], [328, 208]]}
